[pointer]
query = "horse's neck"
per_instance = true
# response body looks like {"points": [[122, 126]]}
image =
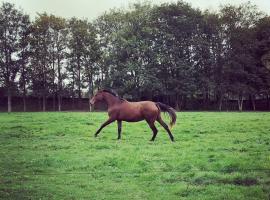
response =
{"points": [[111, 100]]}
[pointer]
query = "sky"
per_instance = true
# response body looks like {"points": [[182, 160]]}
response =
{"points": [[91, 9]]}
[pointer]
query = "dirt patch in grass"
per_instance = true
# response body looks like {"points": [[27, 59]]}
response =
{"points": [[241, 181], [246, 181]]}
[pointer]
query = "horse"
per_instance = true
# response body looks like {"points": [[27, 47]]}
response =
{"points": [[120, 110]]}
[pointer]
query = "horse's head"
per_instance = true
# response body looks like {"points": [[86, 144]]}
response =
{"points": [[97, 97]]}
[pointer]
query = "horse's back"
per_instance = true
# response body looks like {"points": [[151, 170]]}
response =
{"points": [[143, 105], [148, 110], [148, 105], [137, 111]]}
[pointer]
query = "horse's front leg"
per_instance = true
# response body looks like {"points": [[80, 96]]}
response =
{"points": [[119, 123], [110, 120]]}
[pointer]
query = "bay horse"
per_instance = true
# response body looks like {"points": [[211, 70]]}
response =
{"points": [[120, 110]]}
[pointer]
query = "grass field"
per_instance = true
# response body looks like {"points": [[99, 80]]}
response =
{"points": [[55, 156]]}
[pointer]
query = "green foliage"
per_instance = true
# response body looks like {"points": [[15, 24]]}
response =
{"points": [[170, 52], [83, 53], [13, 27], [216, 155], [175, 50]]}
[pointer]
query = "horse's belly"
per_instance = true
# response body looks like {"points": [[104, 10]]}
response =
{"points": [[133, 120], [132, 116]]}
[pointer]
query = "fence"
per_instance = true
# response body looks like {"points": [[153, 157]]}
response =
{"points": [[68, 104]]}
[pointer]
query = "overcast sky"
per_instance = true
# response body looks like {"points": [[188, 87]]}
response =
{"points": [[91, 9]]}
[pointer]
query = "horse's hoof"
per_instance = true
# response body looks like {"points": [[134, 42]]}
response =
{"points": [[95, 135]]}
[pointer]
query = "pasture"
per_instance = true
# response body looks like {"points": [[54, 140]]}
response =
{"points": [[216, 155]]}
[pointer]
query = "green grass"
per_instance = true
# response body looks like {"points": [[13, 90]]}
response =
{"points": [[55, 156]]}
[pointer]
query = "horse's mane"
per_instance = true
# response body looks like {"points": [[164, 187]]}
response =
{"points": [[112, 93]]}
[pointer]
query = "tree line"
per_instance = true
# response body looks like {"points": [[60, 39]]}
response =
{"points": [[170, 52]]}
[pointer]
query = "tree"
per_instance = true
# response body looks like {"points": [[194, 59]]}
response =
{"points": [[170, 52], [262, 55], [58, 28], [238, 66], [90, 60], [177, 27], [132, 54], [83, 53], [42, 73], [107, 26], [12, 24], [24, 55]]}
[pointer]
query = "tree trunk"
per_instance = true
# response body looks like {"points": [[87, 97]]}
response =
{"points": [[240, 102], [73, 92], [178, 102], [44, 89], [227, 102], [54, 87], [59, 103], [54, 104], [73, 102], [90, 106], [44, 103], [91, 88], [268, 101], [79, 82], [90, 96], [59, 84], [220, 102], [24, 88], [184, 102], [253, 101], [39, 103], [9, 99], [24, 104], [24, 98], [206, 99]]}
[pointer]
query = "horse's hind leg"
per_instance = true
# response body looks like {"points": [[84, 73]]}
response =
{"points": [[154, 129], [162, 123], [119, 123]]}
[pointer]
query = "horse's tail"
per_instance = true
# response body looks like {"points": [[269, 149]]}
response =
{"points": [[169, 110]]}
